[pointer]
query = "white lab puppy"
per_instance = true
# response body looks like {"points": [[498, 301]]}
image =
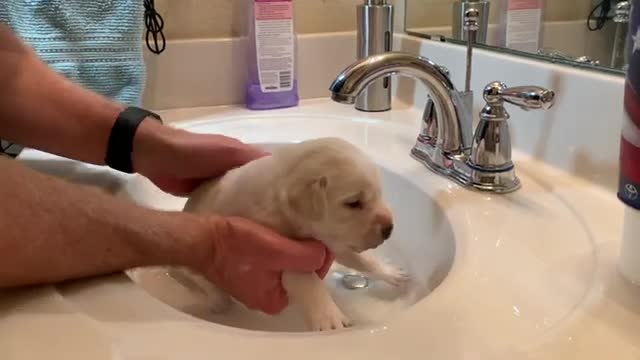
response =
{"points": [[326, 189]]}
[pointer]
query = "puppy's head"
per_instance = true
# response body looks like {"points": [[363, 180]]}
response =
{"points": [[333, 191]]}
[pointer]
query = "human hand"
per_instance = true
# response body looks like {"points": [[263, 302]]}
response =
{"points": [[177, 161], [246, 260]]}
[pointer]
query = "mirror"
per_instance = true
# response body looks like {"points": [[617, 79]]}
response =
{"points": [[589, 34]]}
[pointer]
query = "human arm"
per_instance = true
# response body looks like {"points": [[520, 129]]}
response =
{"points": [[43, 110], [53, 230]]}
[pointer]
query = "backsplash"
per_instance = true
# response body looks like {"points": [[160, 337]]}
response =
{"points": [[187, 19]]}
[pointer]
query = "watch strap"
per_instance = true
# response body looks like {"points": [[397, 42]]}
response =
{"points": [[120, 145]]}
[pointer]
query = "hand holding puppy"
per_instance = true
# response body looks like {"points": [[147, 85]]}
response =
{"points": [[240, 256], [247, 260], [326, 189], [177, 161]]}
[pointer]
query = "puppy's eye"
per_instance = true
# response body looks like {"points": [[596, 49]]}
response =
{"points": [[355, 204]]}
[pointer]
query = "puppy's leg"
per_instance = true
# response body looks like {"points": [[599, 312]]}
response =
{"points": [[217, 300], [373, 267], [308, 290]]}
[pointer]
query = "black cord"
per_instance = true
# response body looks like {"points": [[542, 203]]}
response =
{"points": [[154, 23], [601, 19]]}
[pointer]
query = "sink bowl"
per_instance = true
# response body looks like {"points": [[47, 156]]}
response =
{"points": [[494, 276], [524, 260], [422, 243]]}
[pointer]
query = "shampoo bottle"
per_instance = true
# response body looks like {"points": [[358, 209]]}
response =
{"points": [[271, 48]]}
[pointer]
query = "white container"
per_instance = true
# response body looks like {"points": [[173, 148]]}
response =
{"points": [[521, 24]]}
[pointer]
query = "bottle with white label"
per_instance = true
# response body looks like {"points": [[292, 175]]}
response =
{"points": [[521, 25], [271, 43]]}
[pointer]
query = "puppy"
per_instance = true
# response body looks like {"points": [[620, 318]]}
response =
{"points": [[326, 189]]}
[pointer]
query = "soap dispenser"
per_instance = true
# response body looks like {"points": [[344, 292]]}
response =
{"points": [[374, 36]]}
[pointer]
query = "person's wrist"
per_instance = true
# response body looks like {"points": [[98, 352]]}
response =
{"points": [[202, 243], [152, 145], [186, 240]]}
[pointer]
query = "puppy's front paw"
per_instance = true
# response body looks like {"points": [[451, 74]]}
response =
{"points": [[392, 275], [327, 317], [395, 277]]}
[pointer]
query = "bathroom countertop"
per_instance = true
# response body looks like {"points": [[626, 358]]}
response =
{"points": [[46, 322]]}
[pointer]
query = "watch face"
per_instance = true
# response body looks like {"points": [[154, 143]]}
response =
{"points": [[10, 149]]}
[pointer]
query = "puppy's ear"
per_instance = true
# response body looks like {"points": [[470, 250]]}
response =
{"points": [[309, 198]]}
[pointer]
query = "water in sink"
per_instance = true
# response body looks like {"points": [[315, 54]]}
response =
{"points": [[422, 244]]}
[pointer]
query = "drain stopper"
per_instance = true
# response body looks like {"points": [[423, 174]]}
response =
{"points": [[354, 281]]}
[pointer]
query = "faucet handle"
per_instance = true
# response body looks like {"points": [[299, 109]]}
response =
{"points": [[490, 161], [622, 13], [525, 97]]}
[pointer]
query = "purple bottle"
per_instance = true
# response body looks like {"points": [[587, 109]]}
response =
{"points": [[271, 82]]}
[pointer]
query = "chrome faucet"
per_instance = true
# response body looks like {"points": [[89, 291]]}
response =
{"points": [[446, 143]]}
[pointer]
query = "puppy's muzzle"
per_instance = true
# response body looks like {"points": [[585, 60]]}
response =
{"points": [[384, 233], [385, 220]]}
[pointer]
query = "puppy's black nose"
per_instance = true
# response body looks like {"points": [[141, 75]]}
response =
{"points": [[386, 231]]}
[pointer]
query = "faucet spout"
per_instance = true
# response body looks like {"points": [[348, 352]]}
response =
{"points": [[454, 135], [445, 143]]}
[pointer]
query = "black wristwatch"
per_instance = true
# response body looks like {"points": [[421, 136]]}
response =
{"points": [[120, 145]]}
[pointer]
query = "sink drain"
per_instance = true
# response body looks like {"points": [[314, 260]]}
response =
{"points": [[354, 281]]}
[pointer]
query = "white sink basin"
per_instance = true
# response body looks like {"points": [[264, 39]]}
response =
{"points": [[523, 262], [495, 276], [422, 243]]}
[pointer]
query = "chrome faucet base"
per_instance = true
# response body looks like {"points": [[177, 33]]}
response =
{"points": [[459, 169], [500, 182]]}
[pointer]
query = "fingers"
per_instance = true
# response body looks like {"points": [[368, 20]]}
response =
{"points": [[252, 151], [237, 152], [281, 253], [328, 261], [201, 157], [174, 186], [302, 255], [276, 301], [246, 154], [260, 291]]}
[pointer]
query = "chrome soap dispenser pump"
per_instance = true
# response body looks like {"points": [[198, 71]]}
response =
{"points": [[460, 9], [375, 36]]}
